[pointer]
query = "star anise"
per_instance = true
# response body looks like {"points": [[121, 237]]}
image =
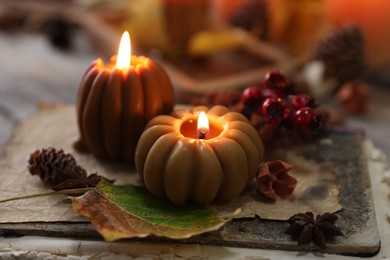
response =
{"points": [[306, 229], [60, 170], [272, 179]]}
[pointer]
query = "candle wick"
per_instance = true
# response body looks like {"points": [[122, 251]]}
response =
{"points": [[202, 134]]}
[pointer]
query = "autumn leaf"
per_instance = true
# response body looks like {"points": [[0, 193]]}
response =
{"points": [[129, 211]]}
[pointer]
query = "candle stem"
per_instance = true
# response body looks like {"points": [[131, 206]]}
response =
{"points": [[64, 192]]}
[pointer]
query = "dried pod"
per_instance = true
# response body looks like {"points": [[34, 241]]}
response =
{"points": [[272, 179], [354, 96]]}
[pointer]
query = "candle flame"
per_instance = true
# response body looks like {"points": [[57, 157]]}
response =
{"points": [[124, 52], [203, 125]]}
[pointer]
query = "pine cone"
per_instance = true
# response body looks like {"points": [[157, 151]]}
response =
{"points": [[343, 53], [54, 167], [253, 17]]}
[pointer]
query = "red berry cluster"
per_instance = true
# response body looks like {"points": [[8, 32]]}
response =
{"points": [[277, 112]]}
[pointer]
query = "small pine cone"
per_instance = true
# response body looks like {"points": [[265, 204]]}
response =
{"points": [[252, 16], [343, 53], [54, 166]]}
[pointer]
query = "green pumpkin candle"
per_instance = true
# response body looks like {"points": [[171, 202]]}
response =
{"points": [[202, 154]]}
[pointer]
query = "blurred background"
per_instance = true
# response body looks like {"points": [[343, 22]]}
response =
{"points": [[335, 50]]}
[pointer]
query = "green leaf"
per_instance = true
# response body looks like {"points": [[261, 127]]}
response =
{"points": [[129, 211]]}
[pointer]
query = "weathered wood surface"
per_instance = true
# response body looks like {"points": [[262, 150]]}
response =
{"points": [[357, 220], [55, 126]]}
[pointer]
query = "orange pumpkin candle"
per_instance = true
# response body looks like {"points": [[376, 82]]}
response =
{"points": [[182, 158], [116, 101]]}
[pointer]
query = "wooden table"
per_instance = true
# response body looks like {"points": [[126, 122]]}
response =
{"points": [[31, 70]]}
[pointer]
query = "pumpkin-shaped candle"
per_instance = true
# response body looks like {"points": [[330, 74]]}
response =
{"points": [[181, 157], [116, 101]]}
